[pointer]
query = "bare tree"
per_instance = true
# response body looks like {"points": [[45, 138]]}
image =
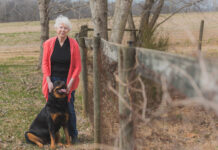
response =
{"points": [[44, 23], [151, 10], [3, 11], [59, 7], [50, 9], [99, 17], [150, 15], [148, 19], [122, 9], [22, 10]]}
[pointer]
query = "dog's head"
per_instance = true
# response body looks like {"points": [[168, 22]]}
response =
{"points": [[59, 90]]}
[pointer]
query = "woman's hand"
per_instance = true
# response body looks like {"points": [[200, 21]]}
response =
{"points": [[50, 84], [69, 86], [50, 87]]}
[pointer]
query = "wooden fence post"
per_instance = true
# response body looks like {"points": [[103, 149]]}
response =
{"points": [[125, 64], [83, 31], [83, 52], [96, 92], [201, 35]]}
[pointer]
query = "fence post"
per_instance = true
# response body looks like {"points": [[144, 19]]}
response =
{"points": [[83, 31], [83, 52], [125, 65], [201, 35], [96, 92]]}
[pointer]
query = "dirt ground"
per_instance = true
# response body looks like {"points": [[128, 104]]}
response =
{"points": [[181, 128]]}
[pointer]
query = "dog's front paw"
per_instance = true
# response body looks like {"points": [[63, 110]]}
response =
{"points": [[52, 146], [40, 145], [68, 145], [60, 144]]}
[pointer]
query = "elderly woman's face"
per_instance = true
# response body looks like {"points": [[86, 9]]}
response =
{"points": [[62, 31]]}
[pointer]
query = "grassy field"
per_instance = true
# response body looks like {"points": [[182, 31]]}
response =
{"points": [[182, 30], [21, 98]]}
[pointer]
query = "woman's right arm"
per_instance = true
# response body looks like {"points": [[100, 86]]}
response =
{"points": [[45, 65]]}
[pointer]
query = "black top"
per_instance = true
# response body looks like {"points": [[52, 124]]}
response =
{"points": [[60, 59]]}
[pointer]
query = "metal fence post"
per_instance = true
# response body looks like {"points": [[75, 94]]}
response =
{"points": [[96, 92], [201, 35], [125, 65], [83, 52]]}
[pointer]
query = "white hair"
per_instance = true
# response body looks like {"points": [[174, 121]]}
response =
{"points": [[62, 20]]}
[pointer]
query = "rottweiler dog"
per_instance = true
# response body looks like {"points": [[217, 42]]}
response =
{"points": [[45, 128]]}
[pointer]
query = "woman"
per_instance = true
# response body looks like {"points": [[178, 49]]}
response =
{"points": [[61, 61]]}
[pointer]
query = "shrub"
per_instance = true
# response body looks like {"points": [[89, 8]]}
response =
{"points": [[154, 40]]}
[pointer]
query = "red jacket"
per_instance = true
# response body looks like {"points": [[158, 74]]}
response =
{"points": [[75, 64]]}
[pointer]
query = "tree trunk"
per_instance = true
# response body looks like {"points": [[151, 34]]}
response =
{"points": [[131, 25], [44, 23], [148, 21], [156, 13], [99, 17], [144, 20], [121, 13]]}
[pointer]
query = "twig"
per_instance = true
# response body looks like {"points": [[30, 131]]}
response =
{"points": [[126, 104], [144, 95]]}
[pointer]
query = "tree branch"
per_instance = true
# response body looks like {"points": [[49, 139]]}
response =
{"points": [[178, 10]]}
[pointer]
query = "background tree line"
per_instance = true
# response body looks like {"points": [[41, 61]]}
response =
{"points": [[27, 10]]}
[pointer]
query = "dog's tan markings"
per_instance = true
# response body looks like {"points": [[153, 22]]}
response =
{"points": [[35, 139], [58, 95], [52, 141], [57, 138], [67, 117], [67, 136], [54, 116]]}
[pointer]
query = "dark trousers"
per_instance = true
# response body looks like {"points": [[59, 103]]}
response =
{"points": [[72, 119]]}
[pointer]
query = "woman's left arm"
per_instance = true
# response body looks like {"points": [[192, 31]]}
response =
{"points": [[77, 64], [77, 59], [70, 85]]}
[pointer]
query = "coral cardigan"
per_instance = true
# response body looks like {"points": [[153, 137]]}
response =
{"points": [[75, 64]]}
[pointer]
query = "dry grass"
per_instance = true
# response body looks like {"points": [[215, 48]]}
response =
{"points": [[190, 128], [183, 30]]}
